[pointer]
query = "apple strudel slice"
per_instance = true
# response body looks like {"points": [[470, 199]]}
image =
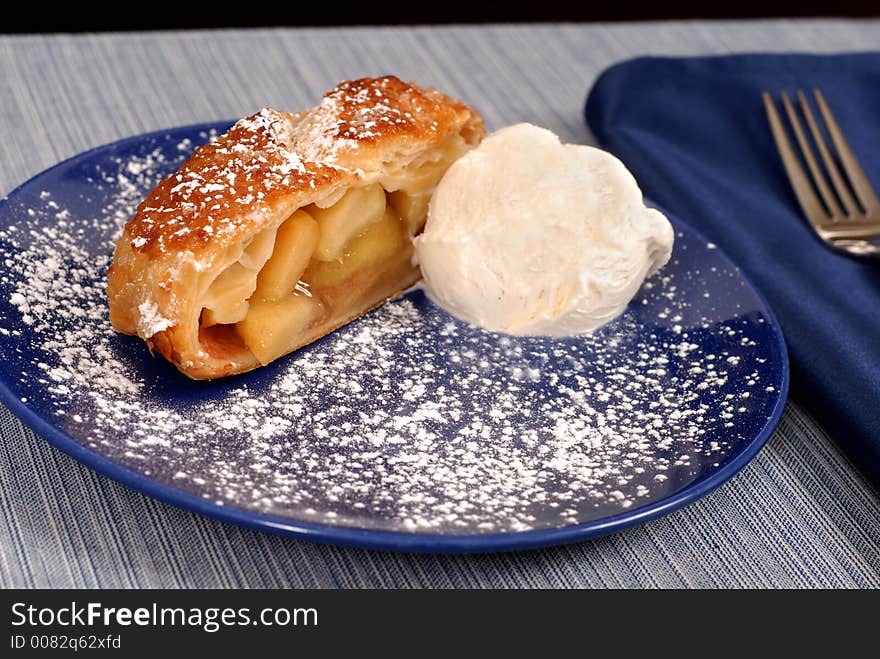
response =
{"points": [[287, 226]]}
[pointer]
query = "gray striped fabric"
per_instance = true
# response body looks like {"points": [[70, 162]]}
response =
{"points": [[799, 515]]}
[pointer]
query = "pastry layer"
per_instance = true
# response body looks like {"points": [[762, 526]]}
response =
{"points": [[286, 227]]}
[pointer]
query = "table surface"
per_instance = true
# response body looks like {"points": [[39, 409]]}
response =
{"points": [[799, 515]]}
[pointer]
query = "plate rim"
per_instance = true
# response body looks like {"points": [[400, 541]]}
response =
{"points": [[395, 540]]}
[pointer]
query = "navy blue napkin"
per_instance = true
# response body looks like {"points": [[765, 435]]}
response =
{"points": [[694, 133]]}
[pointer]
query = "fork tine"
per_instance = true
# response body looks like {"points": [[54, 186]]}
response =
{"points": [[803, 190], [864, 191], [818, 177], [840, 186]]}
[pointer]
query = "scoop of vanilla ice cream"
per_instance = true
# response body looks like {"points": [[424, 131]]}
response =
{"points": [[526, 235]]}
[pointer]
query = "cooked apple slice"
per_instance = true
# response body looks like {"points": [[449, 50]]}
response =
{"points": [[412, 208], [232, 287], [378, 243], [226, 299], [228, 315], [348, 217], [259, 250], [294, 245], [425, 177], [270, 326]]}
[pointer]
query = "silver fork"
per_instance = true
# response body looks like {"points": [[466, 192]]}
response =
{"points": [[849, 219]]}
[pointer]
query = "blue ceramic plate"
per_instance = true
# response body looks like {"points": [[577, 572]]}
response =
{"points": [[405, 430]]}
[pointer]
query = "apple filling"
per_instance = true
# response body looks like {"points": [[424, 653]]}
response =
{"points": [[325, 265], [320, 269]]}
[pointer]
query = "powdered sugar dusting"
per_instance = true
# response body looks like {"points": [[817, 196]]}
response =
{"points": [[271, 156], [237, 175], [150, 321], [405, 420], [364, 111]]}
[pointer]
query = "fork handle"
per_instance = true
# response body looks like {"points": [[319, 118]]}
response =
{"points": [[854, 231]]}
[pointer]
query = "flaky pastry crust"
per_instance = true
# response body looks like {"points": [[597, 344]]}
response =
{"points": [[197, 222]]}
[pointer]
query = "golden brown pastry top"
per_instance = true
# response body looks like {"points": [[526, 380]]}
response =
{"points": [[356, 126], [207, 200], [359, 117]]}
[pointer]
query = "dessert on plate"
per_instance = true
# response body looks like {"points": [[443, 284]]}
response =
{"points": [[287, 226]]}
